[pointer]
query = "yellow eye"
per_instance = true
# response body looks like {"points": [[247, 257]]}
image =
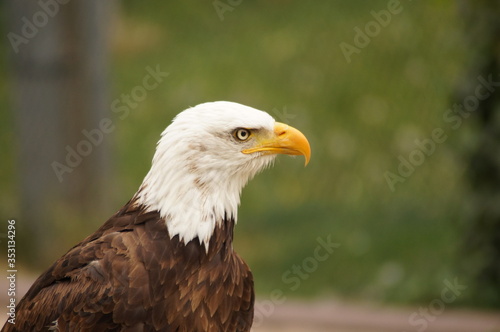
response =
{"points": [[242, 134]]}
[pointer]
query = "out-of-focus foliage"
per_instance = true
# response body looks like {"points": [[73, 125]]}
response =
{"points": [[482, 245]]}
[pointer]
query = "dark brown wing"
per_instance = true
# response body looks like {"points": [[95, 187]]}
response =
{"points": [[130, 276], [79, 292]]}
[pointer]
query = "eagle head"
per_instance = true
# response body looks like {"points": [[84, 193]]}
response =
{"points": [[203, 160]]}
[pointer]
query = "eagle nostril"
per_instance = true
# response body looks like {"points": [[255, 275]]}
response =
{"points": [[282, 133]]}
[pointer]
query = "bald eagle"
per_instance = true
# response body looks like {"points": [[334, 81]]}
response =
{"points": [[165, 260]]}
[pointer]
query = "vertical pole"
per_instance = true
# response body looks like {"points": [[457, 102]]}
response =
{"points": [[59, 90]]}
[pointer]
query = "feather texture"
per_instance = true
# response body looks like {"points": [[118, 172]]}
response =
{"points": [[131, 276]]}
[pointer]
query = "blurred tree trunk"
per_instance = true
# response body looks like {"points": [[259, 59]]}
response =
{"points": [[59, 73], [483, 237]]}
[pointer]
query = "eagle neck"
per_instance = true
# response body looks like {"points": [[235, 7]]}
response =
{"points": [[193, 205]]}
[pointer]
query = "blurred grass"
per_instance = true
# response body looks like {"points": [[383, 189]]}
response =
{"points": [[359, 116]]}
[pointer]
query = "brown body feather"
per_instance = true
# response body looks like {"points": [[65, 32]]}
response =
{"points": [[131, 276]]}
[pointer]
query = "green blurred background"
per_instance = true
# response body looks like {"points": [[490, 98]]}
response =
{"points": [[284, 57]]}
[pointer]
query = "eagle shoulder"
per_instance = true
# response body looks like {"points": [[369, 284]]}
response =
{"points": [[87, 281], [131, 276]]}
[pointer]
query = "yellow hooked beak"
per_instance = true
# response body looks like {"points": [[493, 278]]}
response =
{"points": [[285, 140]]}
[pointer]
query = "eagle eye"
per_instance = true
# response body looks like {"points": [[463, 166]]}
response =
{"points": [[242, 134]]}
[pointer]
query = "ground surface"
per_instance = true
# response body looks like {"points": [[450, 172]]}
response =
{"points": [[341, 317], [331, 316]]}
